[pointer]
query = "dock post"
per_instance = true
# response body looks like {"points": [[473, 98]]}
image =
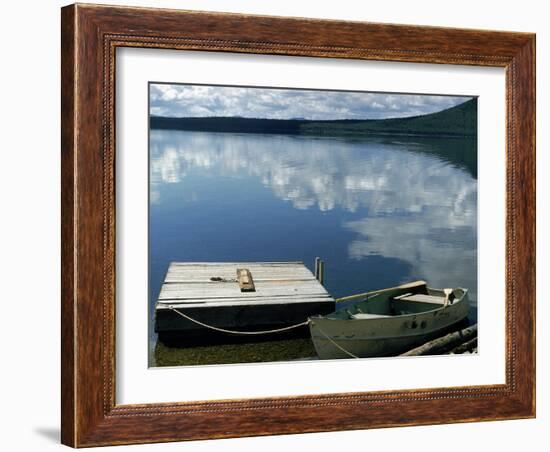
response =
{"points": [[321, 271], [317, 261]]}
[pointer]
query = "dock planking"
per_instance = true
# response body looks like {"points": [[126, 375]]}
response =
{"points": [[284, 293]]}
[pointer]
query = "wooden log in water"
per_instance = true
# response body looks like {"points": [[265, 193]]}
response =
{"points": [[444, 344], [466, 347]]}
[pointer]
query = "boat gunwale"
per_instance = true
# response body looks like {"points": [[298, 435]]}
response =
{"points": [[389, 317]]}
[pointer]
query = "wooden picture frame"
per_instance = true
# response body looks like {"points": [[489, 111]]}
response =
{"points": [[90, 36]]}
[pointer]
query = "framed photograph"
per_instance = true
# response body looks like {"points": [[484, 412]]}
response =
{"points": [[282, 225]]}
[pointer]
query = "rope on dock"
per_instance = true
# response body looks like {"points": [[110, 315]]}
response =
{"points": [[250, 333]]}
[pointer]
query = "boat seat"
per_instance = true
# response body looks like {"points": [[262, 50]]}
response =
{"points": [[421, 298], [364, 315]]}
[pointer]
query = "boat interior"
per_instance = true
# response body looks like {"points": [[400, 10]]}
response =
{"points": [[396, 302]]}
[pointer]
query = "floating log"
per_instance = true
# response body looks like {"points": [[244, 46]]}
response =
{"points": [[466, 347], [444, 344]]}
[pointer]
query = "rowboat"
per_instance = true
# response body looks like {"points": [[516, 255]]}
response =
{"points": [[387, 322]]}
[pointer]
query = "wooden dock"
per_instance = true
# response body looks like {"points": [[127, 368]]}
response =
{"points": [[236, 296]]}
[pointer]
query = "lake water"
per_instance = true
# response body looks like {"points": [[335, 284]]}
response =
{"points": [[378, 211]]}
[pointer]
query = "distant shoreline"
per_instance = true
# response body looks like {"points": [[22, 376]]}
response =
{"points": [[454, 122]]}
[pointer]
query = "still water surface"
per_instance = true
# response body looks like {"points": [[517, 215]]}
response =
{"points": [[379, 211]]}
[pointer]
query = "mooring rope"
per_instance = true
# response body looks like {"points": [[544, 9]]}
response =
{"points": [[336, 345], [278, 330], [250, 333]]}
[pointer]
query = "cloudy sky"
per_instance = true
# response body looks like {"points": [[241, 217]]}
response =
{"points": [[199, 101]]}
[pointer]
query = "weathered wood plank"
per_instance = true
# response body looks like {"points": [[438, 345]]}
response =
{"points": [[215, 286], [209, 268], [251, 265], [192, 273], [226, 290], [244, 278], [205, 280], [247, 300], [234, 294], [248, 296], [228, 274], [228, 284], [237, 302], [422, 298], [272, 283], [233, 264]]}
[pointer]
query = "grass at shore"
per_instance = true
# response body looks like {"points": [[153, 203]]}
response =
{"points": [[282, 350]]}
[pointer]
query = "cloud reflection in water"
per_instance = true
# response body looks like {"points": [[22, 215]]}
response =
{"points": [[398, 200]]}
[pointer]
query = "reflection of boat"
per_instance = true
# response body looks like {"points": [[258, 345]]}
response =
{"points": [[387, 322]]}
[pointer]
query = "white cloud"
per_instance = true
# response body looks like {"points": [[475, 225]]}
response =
{"points": [[198, 101]]}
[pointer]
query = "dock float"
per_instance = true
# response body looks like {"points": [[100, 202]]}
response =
{"points": [[204, 301]]}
